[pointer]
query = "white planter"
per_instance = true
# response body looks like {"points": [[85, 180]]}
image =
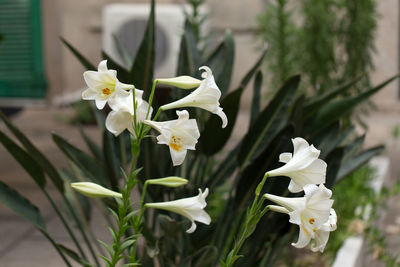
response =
{"points": [[350, 253]]}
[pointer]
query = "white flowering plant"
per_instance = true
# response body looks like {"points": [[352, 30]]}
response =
{"points": [[198, 201]]}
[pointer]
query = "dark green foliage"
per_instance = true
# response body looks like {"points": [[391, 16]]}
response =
{"points": [[12, 199], [231, 176], [329, 41]]}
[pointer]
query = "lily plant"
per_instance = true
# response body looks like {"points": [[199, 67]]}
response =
{"points": [[313, 212]]}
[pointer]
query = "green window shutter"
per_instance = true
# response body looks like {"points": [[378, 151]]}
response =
{"points": [[21, 59]]}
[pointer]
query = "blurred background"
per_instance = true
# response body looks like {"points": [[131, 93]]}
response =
{"points": [[41, 80]]}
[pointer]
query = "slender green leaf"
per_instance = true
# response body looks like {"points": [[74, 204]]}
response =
{"points": [[255, 103], [226, 168], [36, 154], [270, 121], [205, 257], [93, 147], [74, 255], [338, 108], [189, 56], [267, 160], [110, 152], [26, 161], [20, 205], [123, 52], [316, 102], [86, 63], [352, 164], [90, 166], [221, 62], [333, 160], [80, 203], [143, 66]]}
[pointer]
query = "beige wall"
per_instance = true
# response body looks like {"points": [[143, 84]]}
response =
{"points": [[387, 55], [51, 47], [79, 21]]}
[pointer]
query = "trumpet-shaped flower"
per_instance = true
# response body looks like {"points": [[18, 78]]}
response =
{"points": [[303, 166], [322, 234], [192, 208], [180, 135], [103, 85], [206, 96], [94, 190], [313, 214], [122, 115]]}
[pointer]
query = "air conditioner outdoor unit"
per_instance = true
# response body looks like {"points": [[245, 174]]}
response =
{"points": [[127, 23]]}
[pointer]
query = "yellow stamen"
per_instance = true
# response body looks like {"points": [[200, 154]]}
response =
{"points": [[176, 143], [311, 221], [106, 91]]}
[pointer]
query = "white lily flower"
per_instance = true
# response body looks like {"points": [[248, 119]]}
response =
{"points": [[312, 213], [122, 115], [180, 135], [322, 234], [206, 96], [94, 190], [192, 208], [103, 85], [303, 166]]}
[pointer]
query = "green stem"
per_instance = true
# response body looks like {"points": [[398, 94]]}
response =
{"points": [[69, 230], [253, 216], [153, 89]]}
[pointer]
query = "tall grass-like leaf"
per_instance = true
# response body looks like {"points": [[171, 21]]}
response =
{"points": [[36, 154], [126, 57], [85, 62], [26, 161], [204, 257], [255, 103], [352, 164], [189, 55], [226, 168], [89, 165], [73, 255], [338, 108], [213, 138], [267, 160], [333, 160], [143, 67], [80, 203], [112, 158], [225, 53], [20, 205], [93, 147], [270, 121], [316, 102]]}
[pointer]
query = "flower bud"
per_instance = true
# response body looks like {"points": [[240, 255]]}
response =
{"points": [[94, 190], [183, 82], [171, 181]]}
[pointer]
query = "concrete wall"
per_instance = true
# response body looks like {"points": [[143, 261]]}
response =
{"points": [[386, 58], [80, 23]]}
